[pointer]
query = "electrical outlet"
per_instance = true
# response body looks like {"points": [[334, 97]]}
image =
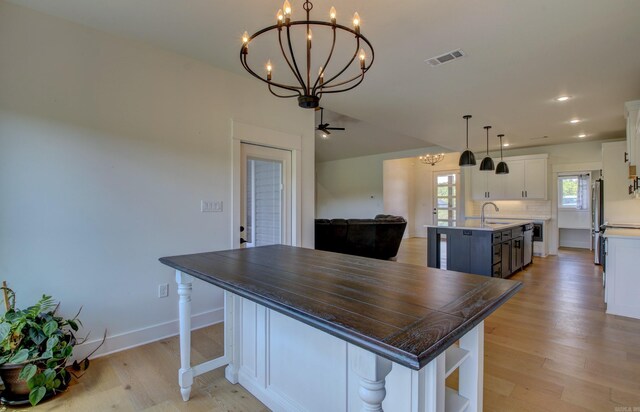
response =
{"points": [[163, 290]]}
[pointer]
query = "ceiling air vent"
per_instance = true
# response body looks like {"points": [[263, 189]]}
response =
{"points": [[445, 58]]}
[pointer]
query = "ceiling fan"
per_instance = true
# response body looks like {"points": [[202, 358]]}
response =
{"points": [[324, 127]]}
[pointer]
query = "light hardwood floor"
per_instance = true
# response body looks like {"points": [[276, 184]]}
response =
{"points": [[550, 348]]}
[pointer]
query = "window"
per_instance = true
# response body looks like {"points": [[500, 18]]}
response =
{"points": [[573, 191]]}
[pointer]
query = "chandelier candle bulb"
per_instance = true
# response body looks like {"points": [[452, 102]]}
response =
{"points": [[332, 14], [356, 22], [269, 68], [286, 7], [363, 57], [280, 17], [321, 75]]}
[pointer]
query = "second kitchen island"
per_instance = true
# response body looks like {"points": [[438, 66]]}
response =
{"points": [[496, 249]]}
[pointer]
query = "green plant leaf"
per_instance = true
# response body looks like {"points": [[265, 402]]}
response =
{"points": [[73, 324], [56, 383], [35, 381], [28, 372], [36, 395], [49, 375], [52, 342], [5, 328], [36, 335], [20, 356], [47, 354], [50, 327], [66, 352], [11, 315]]}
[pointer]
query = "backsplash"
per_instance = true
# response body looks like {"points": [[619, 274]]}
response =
{"points": [[513, 208]]}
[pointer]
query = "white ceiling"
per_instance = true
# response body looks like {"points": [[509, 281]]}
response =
{"points": [[520, 55]]}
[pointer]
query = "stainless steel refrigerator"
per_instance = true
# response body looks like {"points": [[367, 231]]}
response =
{"points": [[597, 218]]}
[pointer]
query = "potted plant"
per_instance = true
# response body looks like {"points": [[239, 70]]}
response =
{"points": [[35, 347]]}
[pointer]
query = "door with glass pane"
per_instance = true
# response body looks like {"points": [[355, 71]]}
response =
{"points": [[445, 198], [265, 195]]}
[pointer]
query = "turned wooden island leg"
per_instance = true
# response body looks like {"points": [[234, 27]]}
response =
{"points": [[185, 374], [372, 370]]}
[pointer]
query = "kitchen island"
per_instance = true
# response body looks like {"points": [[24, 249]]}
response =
{"points": [[490, 248], [308, 330]]}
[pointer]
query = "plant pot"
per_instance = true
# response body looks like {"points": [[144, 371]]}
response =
{"points": [[9, 373]]}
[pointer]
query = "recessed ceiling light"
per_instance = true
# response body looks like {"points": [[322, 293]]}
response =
{"points": [[562, 98], [574, 121], [505, 145], [582, 135]]}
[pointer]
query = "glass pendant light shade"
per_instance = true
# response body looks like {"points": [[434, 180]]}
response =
{"points": [[487, 163], [467, 158], [502, 168]]}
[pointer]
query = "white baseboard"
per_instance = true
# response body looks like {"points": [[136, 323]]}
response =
{"points": [[576, 244], [142, 336]]}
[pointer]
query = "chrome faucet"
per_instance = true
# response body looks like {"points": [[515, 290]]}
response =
{"points": [[482, 214]]}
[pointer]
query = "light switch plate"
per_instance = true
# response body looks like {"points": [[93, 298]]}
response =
{"points": [[211, 206]]}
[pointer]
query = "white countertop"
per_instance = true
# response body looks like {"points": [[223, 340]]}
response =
{"points": [[622, 233], [490, 224], [514, 217]]}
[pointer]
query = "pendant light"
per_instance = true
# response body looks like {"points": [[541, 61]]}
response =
{"points": [[487, 162], [502, 168], [467, 158]]}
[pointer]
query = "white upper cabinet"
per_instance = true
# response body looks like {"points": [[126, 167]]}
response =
{"points": [[632, 114], [479, 189], [486, 185], [514, 188], [535, 179], [526, 180]]}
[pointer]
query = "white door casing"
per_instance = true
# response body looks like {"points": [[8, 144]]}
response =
{"points": [[242, 132]]}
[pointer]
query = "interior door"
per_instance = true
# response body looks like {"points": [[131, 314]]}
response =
{"points": [[265, 196], [445, 198]]}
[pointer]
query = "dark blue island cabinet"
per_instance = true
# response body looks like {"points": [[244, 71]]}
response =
{"points": [[496, 250]]}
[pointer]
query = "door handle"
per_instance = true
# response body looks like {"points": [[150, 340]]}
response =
{"points": [[626, 157]]}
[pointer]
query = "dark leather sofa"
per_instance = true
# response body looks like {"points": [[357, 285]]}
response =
{"points": [[376, 238]]}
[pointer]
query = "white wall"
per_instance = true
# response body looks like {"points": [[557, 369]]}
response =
{"points": [[352, 188], [399, 179], [107, 147]]}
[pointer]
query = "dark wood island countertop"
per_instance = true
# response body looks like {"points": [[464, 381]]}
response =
{"points": [[406, 313]]}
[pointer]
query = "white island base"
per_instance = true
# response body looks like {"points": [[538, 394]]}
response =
{"points": [[291, 366]]}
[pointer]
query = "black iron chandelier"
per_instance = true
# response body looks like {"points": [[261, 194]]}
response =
{"points": [[431, 159], [306, 87]]}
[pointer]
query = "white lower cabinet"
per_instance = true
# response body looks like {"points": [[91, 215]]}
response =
{"points": [[622, 284]]}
